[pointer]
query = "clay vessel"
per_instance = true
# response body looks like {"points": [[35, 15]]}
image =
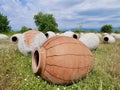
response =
{"points": [[62, 60]]}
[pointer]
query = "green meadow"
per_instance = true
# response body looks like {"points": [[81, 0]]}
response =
{"points": [[16, 70]]}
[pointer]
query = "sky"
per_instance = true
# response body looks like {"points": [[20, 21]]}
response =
{"points": [[67, 13]]}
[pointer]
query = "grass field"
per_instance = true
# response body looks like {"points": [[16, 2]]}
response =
{"points": [[16, 70]]}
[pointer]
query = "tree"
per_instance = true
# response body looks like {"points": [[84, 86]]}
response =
{"points": [[116, 30], [24, 29], [46, 22], [29, 28], [4, 24], [106, 28]]}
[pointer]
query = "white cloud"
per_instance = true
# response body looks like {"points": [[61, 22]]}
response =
{"points": [[68, 13]]}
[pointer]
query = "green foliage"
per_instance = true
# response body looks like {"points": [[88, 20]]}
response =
{"points": [[29, 28], [4, 24], [46, 22], [106, 28], [23, 29], [9, 33], [78, 31], [116, 31], [93, 31]]}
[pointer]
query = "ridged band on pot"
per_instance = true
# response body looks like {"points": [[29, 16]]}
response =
{"points": [[62, 60]]}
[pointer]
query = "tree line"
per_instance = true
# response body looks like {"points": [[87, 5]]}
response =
{"points": [[44, 23]]}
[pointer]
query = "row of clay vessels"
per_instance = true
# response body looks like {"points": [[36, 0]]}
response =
{"points": [[59, 59]]}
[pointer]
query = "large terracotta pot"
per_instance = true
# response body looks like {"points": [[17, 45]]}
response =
{"points": [[62, 60]]}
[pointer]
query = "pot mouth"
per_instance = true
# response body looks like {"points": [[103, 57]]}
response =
{"points": [[75, 36], [36, 56], [106, 39], [47, 35], [36, 61], [14, 39]]}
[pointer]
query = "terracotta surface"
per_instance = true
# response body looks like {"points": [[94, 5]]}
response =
{"points": [[29, 36], [62, 60]]}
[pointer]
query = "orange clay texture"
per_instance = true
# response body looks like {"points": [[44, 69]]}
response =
{"points": [[64, 60], [29, 36]]}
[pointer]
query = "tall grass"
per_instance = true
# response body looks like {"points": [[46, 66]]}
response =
{"points": [[16, 71]]}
